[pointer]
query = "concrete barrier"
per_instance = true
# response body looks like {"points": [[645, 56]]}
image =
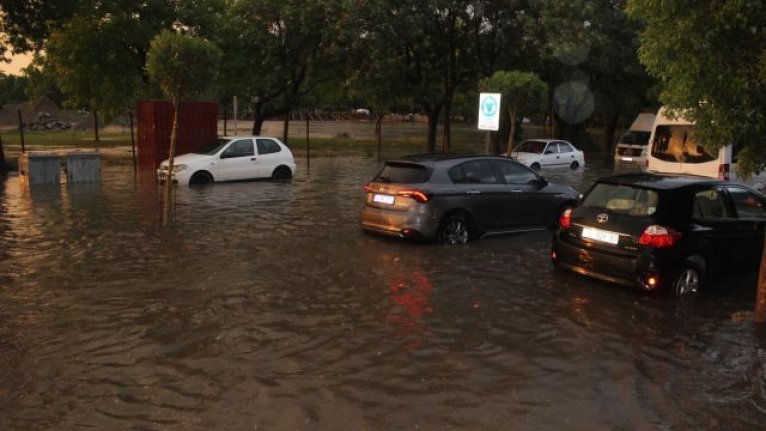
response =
{"points": [[83, 167], [40, 167]]}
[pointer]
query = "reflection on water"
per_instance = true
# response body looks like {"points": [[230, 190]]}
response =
{"points": [[264, 306]]}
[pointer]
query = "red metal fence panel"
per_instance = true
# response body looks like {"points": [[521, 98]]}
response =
{"points": [[198, 127]]}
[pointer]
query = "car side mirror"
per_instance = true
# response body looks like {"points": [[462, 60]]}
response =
{"points": [[548, 152], [540, 182]]}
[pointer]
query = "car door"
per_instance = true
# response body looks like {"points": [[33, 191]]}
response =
{"points": [[238, 161], [751, 212], [550, 155], [722, 236], [269, 156], [527, 204], [567, 154], [483, 194]]}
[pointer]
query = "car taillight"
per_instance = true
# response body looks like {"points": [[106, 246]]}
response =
{"points": [[565, 219], [417, 195], [656, 236], [368, 188], [723, 171]]}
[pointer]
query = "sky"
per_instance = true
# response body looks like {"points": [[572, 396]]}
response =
{"points": [[17, 63]]}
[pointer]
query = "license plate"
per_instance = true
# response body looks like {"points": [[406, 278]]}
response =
{"points": [[383, 199], [600, 235], [627, 159]]}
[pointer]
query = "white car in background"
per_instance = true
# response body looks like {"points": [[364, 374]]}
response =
{"points": [[233, 158], [548, 153]]}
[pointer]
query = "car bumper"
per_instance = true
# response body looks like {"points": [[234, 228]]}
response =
{"points": [[178, 177], [613, 267], [401, 224]]}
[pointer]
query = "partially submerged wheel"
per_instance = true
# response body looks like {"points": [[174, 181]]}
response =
{"points": [[535, 167], [200, 179], [574, 165], [282, 174], [454, 230], [688, 280]]}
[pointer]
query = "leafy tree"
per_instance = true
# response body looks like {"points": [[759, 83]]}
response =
{"points": [[711, 60], [12, 89], [524, 93], [182, 66]]}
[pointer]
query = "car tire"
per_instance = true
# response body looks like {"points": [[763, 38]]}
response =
{"points": [[454, 229], [687, 281], [574, 165], [535, 167], [200, 179], [282, 174]]}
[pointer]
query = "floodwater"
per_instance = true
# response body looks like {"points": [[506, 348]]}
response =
{"points": [[266, 308]]}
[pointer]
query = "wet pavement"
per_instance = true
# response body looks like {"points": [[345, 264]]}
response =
{"points": [[265, 307]]}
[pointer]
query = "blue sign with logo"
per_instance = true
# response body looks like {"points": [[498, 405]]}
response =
{"points": [[489, 111]]}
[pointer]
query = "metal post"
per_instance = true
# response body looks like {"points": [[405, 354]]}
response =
{"points": [[21, 132], [235, 115], [132, 139], [308, 146], [3, 166]]}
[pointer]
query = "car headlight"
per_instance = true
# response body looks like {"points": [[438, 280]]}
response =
{"points": [[179, 168]]}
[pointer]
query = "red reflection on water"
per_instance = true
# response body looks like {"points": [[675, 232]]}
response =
{"points": [[409, 297]]}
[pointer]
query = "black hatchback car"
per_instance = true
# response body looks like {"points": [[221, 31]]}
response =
{"points": [[454, 198], [662, 231]]}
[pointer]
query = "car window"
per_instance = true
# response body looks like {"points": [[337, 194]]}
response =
{"points": [[565, 148], [240, 148], [552, 148], [531, 147], [475, 172], [710, 205], [622, 199], [514, 173], [403, 173], [678, 143], [747, 203], [267, 146]]}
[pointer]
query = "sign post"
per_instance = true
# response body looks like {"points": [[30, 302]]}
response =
{"points": [[489, 114]]}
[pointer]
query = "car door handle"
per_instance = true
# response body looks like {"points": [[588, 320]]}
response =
{"points": [[252, 159], [517, 191], [473, 192]]}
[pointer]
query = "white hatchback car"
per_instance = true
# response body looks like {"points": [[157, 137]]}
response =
{"points": [[540, 153], [233, 158]]}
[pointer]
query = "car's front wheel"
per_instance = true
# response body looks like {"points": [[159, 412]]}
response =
{"points": [[455, 229], [574, 165], [687, 281], [200, 179], [535, 167]]}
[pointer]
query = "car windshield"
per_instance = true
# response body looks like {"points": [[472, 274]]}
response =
{"points": [[402, 173], [531, 147], [677, 143], [622, 199], [633, 137], [213, 147]]}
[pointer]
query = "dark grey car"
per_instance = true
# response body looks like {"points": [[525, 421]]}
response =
{"points": [[455, 198]]}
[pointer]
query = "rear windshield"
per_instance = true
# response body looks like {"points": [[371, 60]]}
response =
{"points": [[531, 147], [403, 173], [635, 138], [678, 144], [622, 199]]}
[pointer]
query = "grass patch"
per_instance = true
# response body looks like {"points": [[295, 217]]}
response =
{"points": [[80, 138]]}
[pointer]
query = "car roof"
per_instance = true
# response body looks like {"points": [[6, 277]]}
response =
{"points": [[660, 181], [443, 157], [246, 137], [546, 140]]}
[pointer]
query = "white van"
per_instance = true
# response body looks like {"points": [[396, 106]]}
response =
{"points": [[673, 149], [630, 147]]}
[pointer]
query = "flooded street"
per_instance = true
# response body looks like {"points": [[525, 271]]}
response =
{"points": [[265, 307]]}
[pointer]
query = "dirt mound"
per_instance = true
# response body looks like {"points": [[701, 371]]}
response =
{"points": [[31, 113]]}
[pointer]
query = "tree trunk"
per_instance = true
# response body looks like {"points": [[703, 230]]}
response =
{"points": [[446, 133], [3, 164], [760, 298], [286, 127], [95, 125], [433, 126], [171, 156], [611, 129], [512, 113], [258, 120], [379, 132]]}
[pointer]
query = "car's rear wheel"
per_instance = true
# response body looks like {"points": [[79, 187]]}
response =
{"points": [[282, 174], [455, 229], [687, 281], [535, 167], [574, 165], [200, 179]]}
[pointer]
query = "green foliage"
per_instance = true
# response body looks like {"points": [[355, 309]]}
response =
{"points": [[183, 66], [524, 93], [12, 89], [711, 59]]}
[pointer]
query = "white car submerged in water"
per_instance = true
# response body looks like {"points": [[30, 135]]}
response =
{"points": [[233, 158], [546, 153]]}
